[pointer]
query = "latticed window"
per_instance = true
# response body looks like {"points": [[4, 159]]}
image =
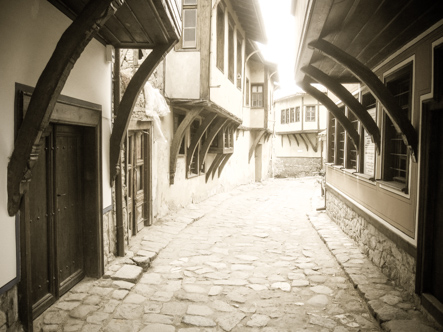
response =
{"points": [[257, 95], [310, 114], [396, 157], [283, 116], [297, 114], [351, 151], [189, 38], [292, 115]]}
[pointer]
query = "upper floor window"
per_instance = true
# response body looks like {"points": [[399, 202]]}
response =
{"points": [[310, 114], [292, 115], [230, 51], [257, 95], [283, 116], [396, 156], [247, 92], [297, 114], [239, 60], [189, 38], [220, 37]]}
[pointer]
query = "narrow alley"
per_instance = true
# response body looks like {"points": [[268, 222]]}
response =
{"points": [[247, 260]]}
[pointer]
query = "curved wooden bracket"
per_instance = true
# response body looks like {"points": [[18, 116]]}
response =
{"points": [[224, 162], [47, 90], [197, 137], [215, 163], [254, 144], [314, 146], [377, 88], [219, 124], [289, 139], [330, 105], [128, 101], [349, 100], [304, 141], [296, 139], [176, 141]]}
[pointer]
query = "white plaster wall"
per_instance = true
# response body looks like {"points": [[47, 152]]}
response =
{"points": [[183, 75], [29, 32], [293, 150]]}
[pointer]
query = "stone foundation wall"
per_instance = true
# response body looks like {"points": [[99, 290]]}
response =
{"points": [[394, 262], [9, 311], [296, 167]]}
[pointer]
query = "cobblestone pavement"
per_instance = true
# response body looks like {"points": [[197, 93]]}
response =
{"points": [[248, 260]]}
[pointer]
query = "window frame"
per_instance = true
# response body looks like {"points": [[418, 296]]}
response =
{"points": [[239, 60], [231, 50], [261, 94], [312, 114], [392, 158], [247, 94], [220, 30], [189, 6]]}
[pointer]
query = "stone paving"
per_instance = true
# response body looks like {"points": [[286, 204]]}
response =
{"points": [[248, 260]]}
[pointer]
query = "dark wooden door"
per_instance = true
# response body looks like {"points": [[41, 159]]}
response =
{"points": [[55, 213], [69, 207], [137, 179], [435, 235]]}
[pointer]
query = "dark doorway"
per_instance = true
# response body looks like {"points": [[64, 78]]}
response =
{"points": [[56, 208]]}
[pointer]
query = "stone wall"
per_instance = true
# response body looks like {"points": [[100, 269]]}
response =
{"points": [[394, 262], [296, 167], [9, 311]]}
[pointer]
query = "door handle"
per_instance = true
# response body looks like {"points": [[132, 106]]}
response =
{"points": [[58, 195]]}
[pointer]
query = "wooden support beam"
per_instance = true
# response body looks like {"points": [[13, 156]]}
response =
{"points": [[296, 139], [330, 105], [217, 163], [197, 137], [224, 162], [218, 125], [282, 140], [304, 141], [128, 101], [314, 146], [49, 86], [257, 139], [289, 139], [217, 160], [377, 88], [349, 100], [177, 140]]}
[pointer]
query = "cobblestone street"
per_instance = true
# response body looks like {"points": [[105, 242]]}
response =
{"points": [[247, 260]]}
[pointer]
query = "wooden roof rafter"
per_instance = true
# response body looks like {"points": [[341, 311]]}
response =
{"points": [[378, 90], [48, 88], [349, 100], [333, 108]]}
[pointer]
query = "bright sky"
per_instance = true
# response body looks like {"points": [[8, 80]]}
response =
{"points": [[280, 49]]}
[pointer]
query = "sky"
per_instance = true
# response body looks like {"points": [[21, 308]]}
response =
{"points": [[280, 27]]}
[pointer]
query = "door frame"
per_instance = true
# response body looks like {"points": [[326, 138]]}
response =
{"points": [[69, 111]]}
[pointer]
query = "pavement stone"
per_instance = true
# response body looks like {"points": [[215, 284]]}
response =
{"points": [[259, 258]]}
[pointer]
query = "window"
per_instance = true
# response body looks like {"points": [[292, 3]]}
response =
{"points": [[292, 120], [367, 154], [247, 92], [297, 114], [257, 95], [310, 114], [331, 138], [224, 142], [189, 38], [340, 144], [239, 60], [396, 156], [231, 52], [283, 116], [220, 38], [351, 151]]}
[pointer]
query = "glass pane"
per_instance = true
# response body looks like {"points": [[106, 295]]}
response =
{"points": [[189, 2], [190, 18], [139, 178], [254, 88], [189, 37], [260, 88]]}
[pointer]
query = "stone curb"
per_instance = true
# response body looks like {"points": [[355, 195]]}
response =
{"points": [[391, 306]]}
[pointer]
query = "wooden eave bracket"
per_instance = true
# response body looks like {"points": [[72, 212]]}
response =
{"points": [[257, 139], [224, 162], [218, 125], [304, 141], [47, 90], [128, 101], [178, 137], [296, 139], [330, 105], [377, 88], [349, 100], [215, 163], [197, 138], [314, 146]]}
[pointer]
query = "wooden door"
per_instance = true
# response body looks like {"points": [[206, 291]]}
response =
{"points": [[55, 217], [138, 179], [69, 207]]}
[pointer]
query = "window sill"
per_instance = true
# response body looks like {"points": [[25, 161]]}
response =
{"points": [[221, 150], [364, 176], [394, 187]]}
